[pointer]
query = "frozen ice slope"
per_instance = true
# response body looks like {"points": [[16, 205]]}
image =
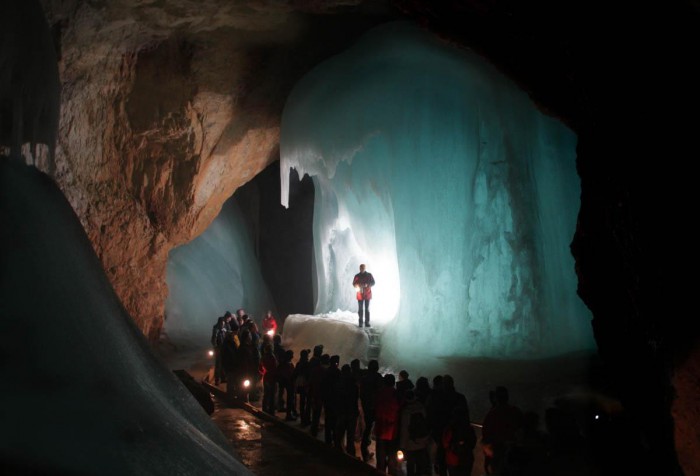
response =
{"points": [[81, 391]]}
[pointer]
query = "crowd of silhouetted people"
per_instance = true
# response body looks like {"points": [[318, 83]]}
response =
{"points": [[422, 428]]}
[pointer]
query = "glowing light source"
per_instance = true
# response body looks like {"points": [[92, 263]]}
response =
{"points": [[211, 353], [399, 455], [246, 383]]}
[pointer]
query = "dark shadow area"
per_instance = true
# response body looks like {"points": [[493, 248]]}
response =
{"points": [[29, 82], [282, 238]]}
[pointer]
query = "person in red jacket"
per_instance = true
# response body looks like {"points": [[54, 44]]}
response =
{"points": [[269, 324], [363, 282]]}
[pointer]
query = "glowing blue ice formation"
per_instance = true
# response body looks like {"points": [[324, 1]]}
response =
{"points": [[214, 273], [439, 173]]}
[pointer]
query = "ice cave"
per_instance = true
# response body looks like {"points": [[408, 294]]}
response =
{"points": [[164, 162], [443, 177]]}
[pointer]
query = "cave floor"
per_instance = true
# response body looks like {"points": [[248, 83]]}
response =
{"points": [[270, 446]]}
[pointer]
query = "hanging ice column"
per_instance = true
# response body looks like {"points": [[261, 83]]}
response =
{"points": [[439, 173]]}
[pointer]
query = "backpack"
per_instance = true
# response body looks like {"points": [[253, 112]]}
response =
{"points": [[418, 426]]}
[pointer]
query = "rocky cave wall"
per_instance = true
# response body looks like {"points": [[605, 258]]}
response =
{"points": [[167, 109]]}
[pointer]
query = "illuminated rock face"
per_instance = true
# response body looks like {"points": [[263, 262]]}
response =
{"points": [[153, 171]]}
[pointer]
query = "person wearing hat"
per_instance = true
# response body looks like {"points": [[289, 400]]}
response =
{"points": [[231, 323]]}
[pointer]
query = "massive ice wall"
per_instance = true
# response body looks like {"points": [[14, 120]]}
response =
{"points": [[461, 197], [215, 272]]}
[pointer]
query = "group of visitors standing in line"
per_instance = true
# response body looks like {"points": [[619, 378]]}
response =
{"points": [[427, 425]]}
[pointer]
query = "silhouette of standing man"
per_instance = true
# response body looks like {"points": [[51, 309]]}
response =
{"points": [[363, 283]]}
